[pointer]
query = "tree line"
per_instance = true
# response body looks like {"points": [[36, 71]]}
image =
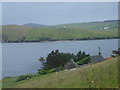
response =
{"points": [[56, 60]]}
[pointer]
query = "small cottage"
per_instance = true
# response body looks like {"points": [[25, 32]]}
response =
{"points": [[71, 64], [97, 58]]}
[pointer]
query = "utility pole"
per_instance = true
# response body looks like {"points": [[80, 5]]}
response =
{"points": [[99, 53]]}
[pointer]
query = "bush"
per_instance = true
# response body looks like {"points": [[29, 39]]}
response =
{"points": [[24, 77], [56, 59], [42, 72], [84, 61], [51, 70], [80, 55]]}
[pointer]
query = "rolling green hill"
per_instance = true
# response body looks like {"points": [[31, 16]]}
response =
{"points": [[100, 75], [111, 24], [34, 25], [60, 32]]}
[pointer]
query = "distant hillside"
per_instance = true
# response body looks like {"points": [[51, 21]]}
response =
{"points": [[100, 25], [111, 21], [34, 25], [99, 75], [75, 31]]}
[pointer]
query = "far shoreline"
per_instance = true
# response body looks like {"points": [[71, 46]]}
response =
{"points": [[45, 41]]}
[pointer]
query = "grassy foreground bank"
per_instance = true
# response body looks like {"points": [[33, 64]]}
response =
{"points": [[99, 75]]}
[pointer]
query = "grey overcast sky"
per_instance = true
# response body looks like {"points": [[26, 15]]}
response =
{"points": [[52, 13]]}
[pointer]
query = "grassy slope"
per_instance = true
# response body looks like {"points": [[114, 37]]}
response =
{"points": [[92, 26], [73, 31], [15, 31], [103, 74], [58, 33]]}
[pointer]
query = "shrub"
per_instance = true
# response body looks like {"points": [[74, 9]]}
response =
{"points": [[56, 59], [51, 70], [24, 77], [80, 55], [42, 72], [84, 61]]}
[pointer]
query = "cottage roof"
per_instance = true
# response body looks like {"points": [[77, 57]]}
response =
{"points": [[97, 58], [71, 64]]}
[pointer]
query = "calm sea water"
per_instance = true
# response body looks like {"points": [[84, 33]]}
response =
{"points": [[22, 58]]}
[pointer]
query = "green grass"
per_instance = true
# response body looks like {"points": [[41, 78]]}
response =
{"points": [[63, 34], [101, 75], [92, 26], [73, 31], [0, 84]]}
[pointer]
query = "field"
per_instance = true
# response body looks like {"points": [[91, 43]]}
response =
{"points": [[60, 32], [99, 75]]}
